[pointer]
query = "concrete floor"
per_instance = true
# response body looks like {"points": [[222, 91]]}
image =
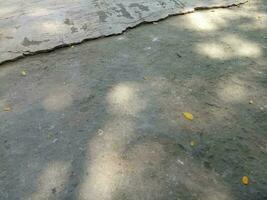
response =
{"points": [[104, 120], [31, 26]]}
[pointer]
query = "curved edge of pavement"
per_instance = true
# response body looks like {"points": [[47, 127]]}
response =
{"points": [[152, 17]]}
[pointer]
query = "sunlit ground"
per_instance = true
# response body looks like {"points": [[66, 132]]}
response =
{"points": [[104, 120]]}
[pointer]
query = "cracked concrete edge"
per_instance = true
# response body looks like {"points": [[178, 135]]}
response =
{"points": [[131, 26]]}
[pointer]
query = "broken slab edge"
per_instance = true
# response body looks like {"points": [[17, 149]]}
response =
{"points": [[131, 26]]}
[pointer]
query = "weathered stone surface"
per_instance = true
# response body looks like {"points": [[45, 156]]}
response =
{"points": [[34, 25]]}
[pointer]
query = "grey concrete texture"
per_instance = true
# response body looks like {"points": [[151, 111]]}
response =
{"points": [[30, 26], [104, 120]]}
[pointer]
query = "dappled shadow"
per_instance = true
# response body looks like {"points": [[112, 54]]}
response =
{"points": [[30, 27], [103, 120]]}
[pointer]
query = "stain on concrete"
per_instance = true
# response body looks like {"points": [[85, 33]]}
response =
{"points": [[8, 37], [102, 16], [122, 12], [26, 42], [178, 3], [73, 29], [98, 4], [84, 27], [163, 4], [141, 7], [68, 22]]}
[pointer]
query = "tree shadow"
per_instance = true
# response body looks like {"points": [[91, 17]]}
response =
{"points": [[107, 123]]}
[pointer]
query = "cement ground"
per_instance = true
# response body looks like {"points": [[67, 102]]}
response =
{"points": [[104, 120]]}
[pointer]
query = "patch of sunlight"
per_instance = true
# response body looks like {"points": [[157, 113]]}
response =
{"points": [[36, 12], [200, 21], [123, 98], [212, 50], [232, 92], [51, 26], [58, 99], [121, 94], [230, 46], [249, 16], [242, 47], [109, 171], [103, 176], [7, 11], [105, 165], [54, 175]]}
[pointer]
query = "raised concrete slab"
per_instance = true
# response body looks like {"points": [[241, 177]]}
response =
{"points": [[31, 26]]}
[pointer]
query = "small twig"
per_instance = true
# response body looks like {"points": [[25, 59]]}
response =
{"points": [[177, 54], [211, 104]]}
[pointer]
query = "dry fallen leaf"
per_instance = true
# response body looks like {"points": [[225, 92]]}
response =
{"points": [[245, 180], [188, 115]]}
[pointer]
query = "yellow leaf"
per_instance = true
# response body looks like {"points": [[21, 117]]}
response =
{"points": [[245, 180], [188, 116], [23, 73]]}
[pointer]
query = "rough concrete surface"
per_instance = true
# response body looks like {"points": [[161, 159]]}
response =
{"points": [[30, 26], [104, 120]]}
